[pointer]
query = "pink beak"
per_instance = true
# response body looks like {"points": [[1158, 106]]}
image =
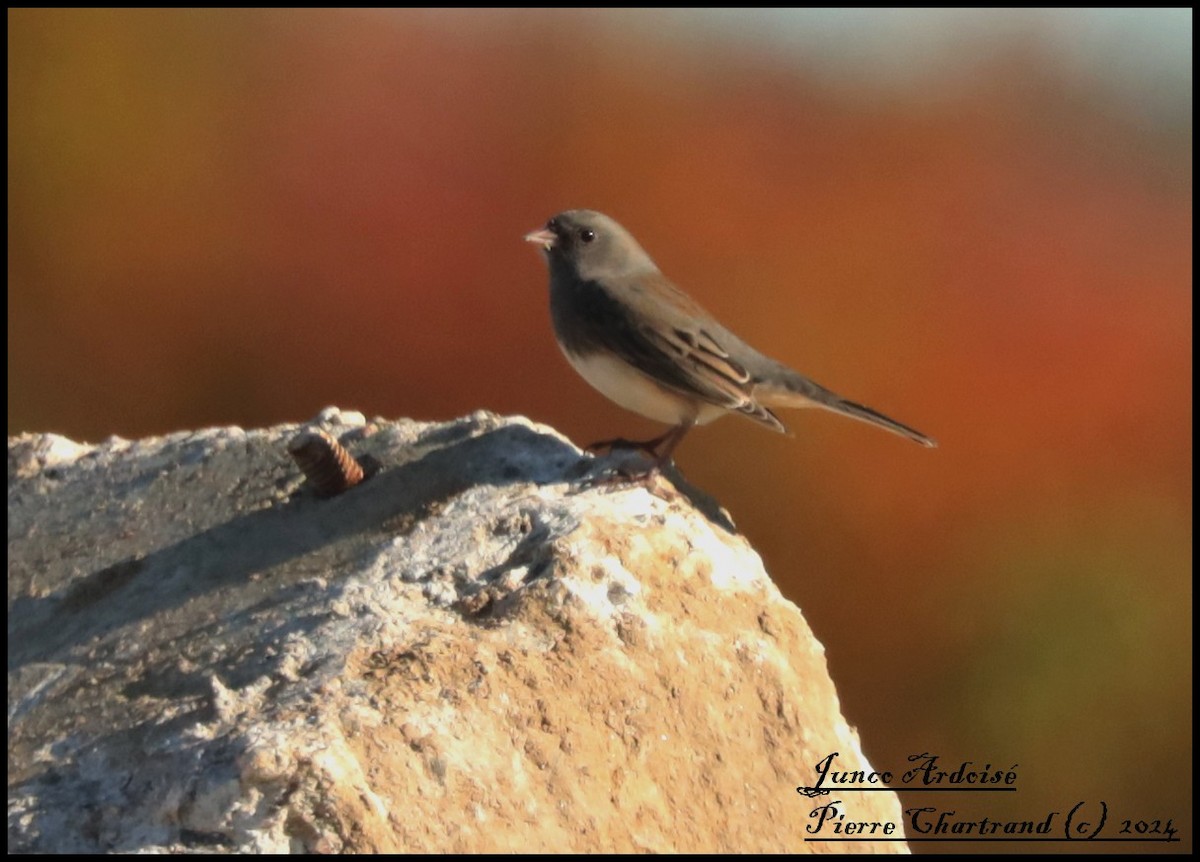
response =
{"points": [[545, 237]]}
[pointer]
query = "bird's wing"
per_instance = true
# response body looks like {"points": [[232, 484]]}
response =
{"points": [[681, 347]]}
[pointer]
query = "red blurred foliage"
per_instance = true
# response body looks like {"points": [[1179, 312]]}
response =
{"points": [[240, 217]]}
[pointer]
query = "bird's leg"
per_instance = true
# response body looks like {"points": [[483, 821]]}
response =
{"points": [[650, 447], [662, 457], [670, 440]]}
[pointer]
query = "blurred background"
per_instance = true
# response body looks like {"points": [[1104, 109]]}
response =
{"points": [[976, 222]]}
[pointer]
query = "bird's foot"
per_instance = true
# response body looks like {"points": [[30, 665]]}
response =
{"points": [[650, 447], [632, 473], [645, 471]]}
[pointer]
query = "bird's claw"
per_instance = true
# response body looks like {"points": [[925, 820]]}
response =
{"points": [[647, 446]]}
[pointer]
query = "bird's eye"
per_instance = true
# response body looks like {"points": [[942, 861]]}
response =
{"points": [[587, 235]]}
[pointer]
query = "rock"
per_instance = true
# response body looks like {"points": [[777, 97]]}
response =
{"points": [[473, 650]]}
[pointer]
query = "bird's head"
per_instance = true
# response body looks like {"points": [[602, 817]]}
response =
{"points": [[591, 245]]}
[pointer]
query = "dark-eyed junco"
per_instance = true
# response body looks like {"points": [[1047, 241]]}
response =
{"points": [[649, 347]]}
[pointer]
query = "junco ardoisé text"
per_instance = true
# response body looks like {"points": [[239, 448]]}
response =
{"points": [[641, 341]]}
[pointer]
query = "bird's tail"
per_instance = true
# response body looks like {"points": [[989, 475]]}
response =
{"points": [[796, 391]]}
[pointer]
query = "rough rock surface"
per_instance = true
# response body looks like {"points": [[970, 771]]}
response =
{"points": [[473, 650]]}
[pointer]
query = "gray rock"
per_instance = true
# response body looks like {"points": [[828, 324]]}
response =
{"points": [[476, 649]]}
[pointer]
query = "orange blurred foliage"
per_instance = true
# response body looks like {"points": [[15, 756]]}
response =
{"points": [[242, 216]]}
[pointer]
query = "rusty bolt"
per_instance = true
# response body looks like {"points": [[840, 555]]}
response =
{"points": [[330, 469]]}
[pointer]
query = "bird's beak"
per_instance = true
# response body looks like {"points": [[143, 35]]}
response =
{"points": [[544, 237]]}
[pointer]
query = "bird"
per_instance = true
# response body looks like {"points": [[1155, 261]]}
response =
{"points": [[646, 345]]}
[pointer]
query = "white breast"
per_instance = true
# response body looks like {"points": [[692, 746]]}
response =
{"points": [[622, 383]]}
